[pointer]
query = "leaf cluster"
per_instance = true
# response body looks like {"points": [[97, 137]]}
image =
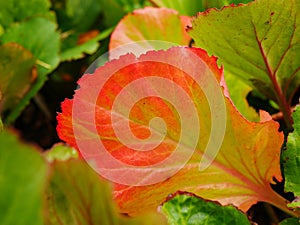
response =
{"points": [[257, 46]]}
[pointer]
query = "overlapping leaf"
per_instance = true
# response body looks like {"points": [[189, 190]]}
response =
{"points": [[40, 37], [1, 125], [61, 152], [184, 208], [17, 72], [192, 7], [141, 32], [238, 92], [241, 173], [290, 221], [73, 48], [74, 24], [291, 157], [115, 9], [60, 192], [258, 43], [150, 25], [76, 195], [15, 11], [72, 15], [22, 180]]}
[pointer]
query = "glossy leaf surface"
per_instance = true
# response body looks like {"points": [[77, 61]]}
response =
{"points": [[188, 209], [258, 43], [192, 7], [240, 174], [291, 157], [146, 26]]}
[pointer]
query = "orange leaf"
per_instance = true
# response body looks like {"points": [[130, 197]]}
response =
{"points": [[85, 37], [203, 146]]}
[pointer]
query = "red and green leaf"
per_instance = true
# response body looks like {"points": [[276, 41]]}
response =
{"points": [[247, 160], [39, 36], [17, 73], [150, 25]]}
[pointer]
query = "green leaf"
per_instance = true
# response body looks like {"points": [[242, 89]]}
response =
{"points": [[71, 50], [191, 7], [1, 125], [188, 209], [16, 74], [77, 15], [258, 43], [1, 30], [290, 221], [61, 152], [114, 10], [238, 92], [77, 195], [16, 11], [22, 178], [39, 36], [291, 157]]}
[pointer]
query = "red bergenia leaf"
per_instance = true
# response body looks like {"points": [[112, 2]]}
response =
{"points": [[112, 119], [145, 26]]}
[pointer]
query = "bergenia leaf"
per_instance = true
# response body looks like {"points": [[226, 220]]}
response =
{"points": [[17, 73], [290, 221], [238, 91], [258, 43], [1, 125], [40, 37], [291, 157], [76, 195], [145, 26], [184, 208], [13, 11], [191, 7], [62, 192], [72, 49], [114, 10], [23, 173], [72, 15], [115, 120], [188, 8], [61, 152]]}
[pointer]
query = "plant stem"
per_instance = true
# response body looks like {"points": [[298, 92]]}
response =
{"points": [[283, 105], [43, 64], [281, 100], [281, 203]]}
